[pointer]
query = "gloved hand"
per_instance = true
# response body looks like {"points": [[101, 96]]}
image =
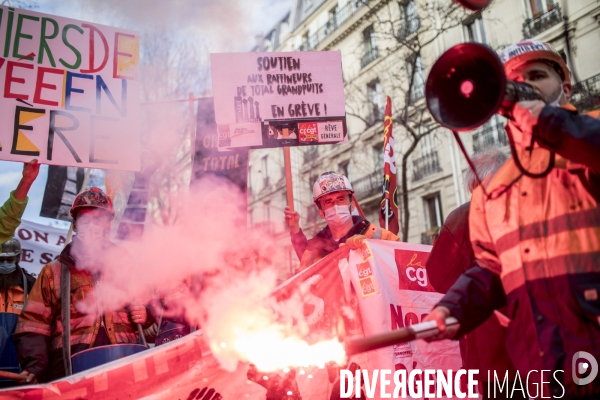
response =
{"points": [[292, 219], [354, 242]]}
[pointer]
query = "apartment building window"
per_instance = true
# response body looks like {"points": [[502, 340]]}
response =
{"points": [[305, 45], [369, 47], [539, 7], [265, 170], [432, 209], [375, 98], [544, 14], [332, 21], [418, 85], [378, 157], [474, 29], [249, 183], [409, 18], [308, 4]]}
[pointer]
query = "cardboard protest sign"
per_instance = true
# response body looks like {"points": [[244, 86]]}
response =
{"points": [[278, 99], [40, 245], [69, 92]]}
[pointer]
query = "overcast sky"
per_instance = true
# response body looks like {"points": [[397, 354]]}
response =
{"points": [[224, 25]]}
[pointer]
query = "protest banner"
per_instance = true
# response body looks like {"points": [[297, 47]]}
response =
{"points": [[385, 281], [62, 186], [231, 165], [40, 244], [69, 92], [278, 99]]}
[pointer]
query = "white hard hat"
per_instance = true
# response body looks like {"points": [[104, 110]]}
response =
{"points": [[330, 182], [526, 51]]}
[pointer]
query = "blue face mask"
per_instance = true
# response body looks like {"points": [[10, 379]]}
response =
{"points": [[7, 267]]}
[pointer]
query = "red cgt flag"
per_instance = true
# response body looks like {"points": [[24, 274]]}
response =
{"points": [[390, 187]]}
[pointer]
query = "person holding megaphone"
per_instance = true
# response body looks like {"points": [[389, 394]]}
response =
{"points": [[535, 231]]}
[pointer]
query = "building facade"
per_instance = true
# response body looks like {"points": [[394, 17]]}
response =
{"points": [[387, 49]]}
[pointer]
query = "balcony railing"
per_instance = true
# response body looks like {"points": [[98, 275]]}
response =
{"points": [[426, 165], [490, 136], [537, 25], [369, 185], [369, 57], [342, 15], [311, 154], [586, 94]]}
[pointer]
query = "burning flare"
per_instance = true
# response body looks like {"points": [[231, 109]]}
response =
{"points": [[242, 326]]}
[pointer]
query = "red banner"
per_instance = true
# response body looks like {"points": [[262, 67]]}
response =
{"points": [[381, 287]]}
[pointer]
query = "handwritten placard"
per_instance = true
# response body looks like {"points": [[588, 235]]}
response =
{"points": [[69, 91]]}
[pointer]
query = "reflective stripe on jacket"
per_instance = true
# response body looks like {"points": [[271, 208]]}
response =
{"points": [[43, 310], [542, 237]]}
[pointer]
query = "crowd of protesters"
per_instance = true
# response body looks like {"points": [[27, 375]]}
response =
{"points": [[519, 264]]}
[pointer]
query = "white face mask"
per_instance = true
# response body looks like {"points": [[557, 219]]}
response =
{"points": [[556, 103], [337, 216], [90, 233]]}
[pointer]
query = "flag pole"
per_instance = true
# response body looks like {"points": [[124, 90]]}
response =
{"points": [[387, 219], [358, 207], [287, 162]]}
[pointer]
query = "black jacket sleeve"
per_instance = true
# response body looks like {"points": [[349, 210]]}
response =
{"points": [[474, 297], [299, 242], [32, 352], [452, 253], [575, 137]]}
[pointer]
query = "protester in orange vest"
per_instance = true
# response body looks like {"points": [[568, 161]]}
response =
{"points": [[332, 195], [536, 239], [40, 335], [15, 285]]}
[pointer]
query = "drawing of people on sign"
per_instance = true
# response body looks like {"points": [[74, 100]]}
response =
{"points": [[275, 133]]}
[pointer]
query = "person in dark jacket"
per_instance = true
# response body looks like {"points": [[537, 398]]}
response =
{"points": [[452, 254], [536, 239]]}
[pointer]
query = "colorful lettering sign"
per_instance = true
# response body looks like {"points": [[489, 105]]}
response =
{"points": [[69, 91], [279, 99]]}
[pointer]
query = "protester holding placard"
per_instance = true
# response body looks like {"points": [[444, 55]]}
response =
{"points": [[332, 194], [13, 209], [40, 332]]}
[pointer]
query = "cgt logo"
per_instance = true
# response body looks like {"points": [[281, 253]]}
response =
{"points": [[412, 274], [581, 368], [308, 132], [417, 274]]}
